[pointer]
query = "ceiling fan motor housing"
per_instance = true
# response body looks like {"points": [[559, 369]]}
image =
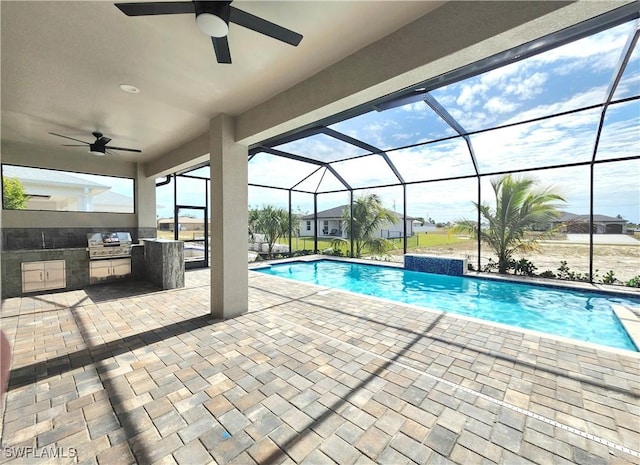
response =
{"points": [[97, 149], [213, 17]]}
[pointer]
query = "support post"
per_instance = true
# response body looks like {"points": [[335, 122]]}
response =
{"points": [[229, 220], [145, 199]]}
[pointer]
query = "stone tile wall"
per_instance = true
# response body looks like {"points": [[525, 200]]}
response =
{"points": [[437, 265], [76, 267], [164, 262], [59, 238]]}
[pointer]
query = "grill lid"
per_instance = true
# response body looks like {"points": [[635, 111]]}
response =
{"points": [[108, 239], [109, 244]]}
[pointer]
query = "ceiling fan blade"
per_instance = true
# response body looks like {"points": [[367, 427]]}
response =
{"points": [[156, 8], [221, 47], [72, 145], [122, 148], [67, 137], [102, 140], [242, 18]]}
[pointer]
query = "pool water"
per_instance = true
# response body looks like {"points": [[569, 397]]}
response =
{"points": [[586, 316]]}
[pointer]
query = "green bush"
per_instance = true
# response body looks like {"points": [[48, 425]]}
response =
{"points": [[523, 267], [609, 278], [565, 273], [633, 282]]}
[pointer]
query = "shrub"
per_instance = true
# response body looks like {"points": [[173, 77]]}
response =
{"points": [[333, 252], [633, 282], [523, 267], [490, 266], [609, 278], [565, 273]]}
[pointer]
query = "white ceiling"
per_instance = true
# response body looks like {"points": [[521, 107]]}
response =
{"points": [[63, 62]]}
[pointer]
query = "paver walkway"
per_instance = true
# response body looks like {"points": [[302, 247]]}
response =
{"points": [[122, 374]]}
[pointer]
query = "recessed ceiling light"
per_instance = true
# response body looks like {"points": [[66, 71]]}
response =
{"points": [[129, 88]]}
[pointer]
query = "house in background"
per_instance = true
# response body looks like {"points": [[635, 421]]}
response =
{"points": [[571, 223], [66, 192], [419, 226], [185, 223], [330, 223], [112, 202]]}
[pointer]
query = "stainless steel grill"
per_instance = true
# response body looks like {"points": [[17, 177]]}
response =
{"points": [[109, 245]]}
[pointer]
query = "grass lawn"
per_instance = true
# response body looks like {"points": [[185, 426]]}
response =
{"points": [[182, 235], [438, 238]]}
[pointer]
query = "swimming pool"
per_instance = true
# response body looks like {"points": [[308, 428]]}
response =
{"points": [[586, 316]]}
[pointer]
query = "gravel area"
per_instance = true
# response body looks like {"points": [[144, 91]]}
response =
{"points": [[622, 258]]}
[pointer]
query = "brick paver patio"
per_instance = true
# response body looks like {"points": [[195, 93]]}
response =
{"points": [[122, 374]]}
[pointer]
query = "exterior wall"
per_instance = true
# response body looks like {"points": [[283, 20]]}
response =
{"points": [[330, 228], [303, 231], [387, 230], [145, 203]]}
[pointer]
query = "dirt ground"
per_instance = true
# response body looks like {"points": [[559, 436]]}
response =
{"points": [[624, 260]]}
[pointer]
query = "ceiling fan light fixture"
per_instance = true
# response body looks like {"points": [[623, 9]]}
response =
{"points": [[95, 149], [212, 25]]}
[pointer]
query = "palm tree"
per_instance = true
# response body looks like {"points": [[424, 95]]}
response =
{"points": [[270, 221], [368, 216], [518, 207]]}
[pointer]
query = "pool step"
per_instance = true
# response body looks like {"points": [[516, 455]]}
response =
{"points": [[629, 318]]}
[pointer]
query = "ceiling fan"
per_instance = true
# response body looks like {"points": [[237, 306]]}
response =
{"points": [[99, 147], [213, 19]]}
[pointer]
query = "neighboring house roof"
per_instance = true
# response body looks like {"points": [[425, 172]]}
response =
{"points": [[336, 213], [112, 198], [597, 218], [41, 176]]}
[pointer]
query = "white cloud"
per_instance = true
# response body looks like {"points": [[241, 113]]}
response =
{"points": [[470, 95], [500, 105], [526, 87]]}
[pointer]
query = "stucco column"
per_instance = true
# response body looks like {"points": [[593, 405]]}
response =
{"points": [[229, 220], [145, 204]]}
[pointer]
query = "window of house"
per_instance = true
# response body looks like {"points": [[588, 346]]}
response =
{"points": [[308, 225], [26, 188]]}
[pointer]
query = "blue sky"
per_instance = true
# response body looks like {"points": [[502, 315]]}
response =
{"points": [[567, 78]]}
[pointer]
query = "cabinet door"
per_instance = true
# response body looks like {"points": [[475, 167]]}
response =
{"points": [[121, 266], [54, 274], [32, 276], [99, 269]]}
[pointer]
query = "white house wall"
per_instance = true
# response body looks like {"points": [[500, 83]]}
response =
{"points": [[386, 229]]}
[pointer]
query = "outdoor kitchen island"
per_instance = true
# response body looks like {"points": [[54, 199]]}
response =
{"points": [[156, 261]]}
